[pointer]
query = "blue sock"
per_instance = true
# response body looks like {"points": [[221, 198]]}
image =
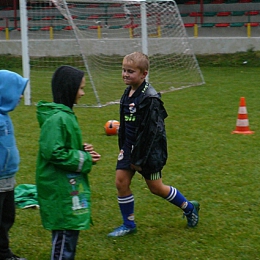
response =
{"points": [[126, 205], [176, 198]]}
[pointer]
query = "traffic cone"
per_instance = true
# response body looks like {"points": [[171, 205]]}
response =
{"points": [[242, 126]]}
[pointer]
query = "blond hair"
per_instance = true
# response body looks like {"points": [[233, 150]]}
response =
{"points": [[141, 60]]}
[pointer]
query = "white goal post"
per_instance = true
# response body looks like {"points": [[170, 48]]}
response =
{"points": [[95, 36]]}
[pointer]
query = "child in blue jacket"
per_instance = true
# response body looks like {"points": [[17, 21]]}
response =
{"points": [[12, 87]]}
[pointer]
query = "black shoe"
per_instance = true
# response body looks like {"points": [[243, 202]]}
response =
{"points": [[15, 257]]}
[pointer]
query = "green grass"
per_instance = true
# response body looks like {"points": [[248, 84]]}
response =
{"points": [[206, 162], [106, 76]]}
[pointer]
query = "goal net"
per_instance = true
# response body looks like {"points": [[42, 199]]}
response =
{"points": [[95, 36]]}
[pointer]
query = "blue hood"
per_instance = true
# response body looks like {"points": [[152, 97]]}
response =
{"points": [[12, 86]]}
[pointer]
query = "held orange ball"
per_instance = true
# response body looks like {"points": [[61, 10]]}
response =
{"points": [[111, 127]]}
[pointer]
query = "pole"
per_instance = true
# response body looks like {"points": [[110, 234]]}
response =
{"points": [[144, 31], [25, 50]]}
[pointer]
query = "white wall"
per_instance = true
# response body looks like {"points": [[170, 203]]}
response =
{"points": [[200, 45]]}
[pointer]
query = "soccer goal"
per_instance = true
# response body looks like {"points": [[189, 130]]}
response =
{"points": [[95, 36]]}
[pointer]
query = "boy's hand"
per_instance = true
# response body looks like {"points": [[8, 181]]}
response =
{"points": [[88, 147], [95, 156]]}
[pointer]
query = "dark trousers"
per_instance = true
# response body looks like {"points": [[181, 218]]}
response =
{"points": [[7, 216], [64, 243]]}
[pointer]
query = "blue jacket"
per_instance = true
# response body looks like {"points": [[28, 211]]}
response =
{"points": [[12, 87]]}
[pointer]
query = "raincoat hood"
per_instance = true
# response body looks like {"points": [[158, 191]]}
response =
{"points": [[46, 109], [12, 86], [65, 84]]}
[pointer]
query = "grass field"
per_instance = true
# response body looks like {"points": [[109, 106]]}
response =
{"points": [[206, 162]]}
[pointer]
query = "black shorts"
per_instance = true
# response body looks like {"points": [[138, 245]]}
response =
{"points": [[124, 162]]}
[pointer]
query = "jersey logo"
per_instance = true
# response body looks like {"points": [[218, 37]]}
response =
{"points": [[132, 108], [130, 118], [121, 155]]}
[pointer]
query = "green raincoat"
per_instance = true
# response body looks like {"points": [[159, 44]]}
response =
{"points": [[62, 167]]}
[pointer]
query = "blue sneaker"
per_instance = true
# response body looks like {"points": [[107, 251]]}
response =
{"points": [[122, 231], [193, 216]]}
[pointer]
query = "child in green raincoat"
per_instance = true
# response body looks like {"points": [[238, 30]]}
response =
{"points": [[63, 164]]}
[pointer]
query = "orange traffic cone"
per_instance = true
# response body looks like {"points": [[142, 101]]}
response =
{"points": [[242, 126]]}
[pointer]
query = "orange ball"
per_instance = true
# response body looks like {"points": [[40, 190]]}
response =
{"points": [[111, 127]]}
